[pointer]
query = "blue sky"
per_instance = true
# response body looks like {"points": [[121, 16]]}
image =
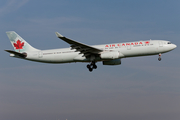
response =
{"points": [[140, 88]]}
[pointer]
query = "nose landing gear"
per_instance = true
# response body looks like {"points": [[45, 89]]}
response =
{"points": [[92, 66], [159, 57]]}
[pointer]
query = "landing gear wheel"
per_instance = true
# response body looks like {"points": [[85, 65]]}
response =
{"points": [[159, 59], [95, 66], [92, 66], [88, 66], [90, 69]]}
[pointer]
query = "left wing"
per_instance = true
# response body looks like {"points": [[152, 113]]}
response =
{"points": [[82, 48]]}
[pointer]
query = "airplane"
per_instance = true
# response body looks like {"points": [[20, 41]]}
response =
{"points": [[108, 54]]}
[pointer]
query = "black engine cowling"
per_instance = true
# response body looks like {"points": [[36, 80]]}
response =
{"points": [[112, 62]]}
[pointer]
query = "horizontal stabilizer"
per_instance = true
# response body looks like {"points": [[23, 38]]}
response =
{"points": [[22, 55]]}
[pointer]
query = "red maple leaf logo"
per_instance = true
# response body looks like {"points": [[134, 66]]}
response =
{"points": [[147, 42], [19, 45]]}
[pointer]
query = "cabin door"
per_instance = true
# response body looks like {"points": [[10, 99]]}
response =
{"points": [[160, 44], [128, 47], [40, 54]]}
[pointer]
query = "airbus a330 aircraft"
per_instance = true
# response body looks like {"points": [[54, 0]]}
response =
{"points": [[109, 54]]}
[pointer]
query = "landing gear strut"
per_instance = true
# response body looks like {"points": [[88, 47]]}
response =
{"points": [[92, 66], [159, 57]]}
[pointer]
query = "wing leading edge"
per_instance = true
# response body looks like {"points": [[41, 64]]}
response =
{"points": [[82, 48]]}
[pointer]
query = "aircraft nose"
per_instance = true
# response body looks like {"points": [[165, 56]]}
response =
{"points": [[175, 46]]}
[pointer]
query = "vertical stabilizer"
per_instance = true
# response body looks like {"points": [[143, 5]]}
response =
{"points": [[19, 44]]}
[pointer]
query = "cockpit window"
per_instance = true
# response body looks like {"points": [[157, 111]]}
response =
{"points": [[169, 43]]}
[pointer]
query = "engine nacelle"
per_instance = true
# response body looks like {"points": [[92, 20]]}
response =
{"points": [[112, 62], [110, 55]]}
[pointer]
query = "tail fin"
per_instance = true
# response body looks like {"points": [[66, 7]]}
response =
{"points": [[19, 44]]}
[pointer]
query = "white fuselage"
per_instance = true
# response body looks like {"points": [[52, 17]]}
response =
{"points": [[130, 49]]}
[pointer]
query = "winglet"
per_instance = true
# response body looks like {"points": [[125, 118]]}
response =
{"points": [[58, 35]]}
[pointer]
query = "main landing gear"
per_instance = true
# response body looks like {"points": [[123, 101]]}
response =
{"points": [[159, 57], [92, 66]]}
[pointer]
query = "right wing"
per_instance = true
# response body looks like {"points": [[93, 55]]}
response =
{"points": [[82, 48]]}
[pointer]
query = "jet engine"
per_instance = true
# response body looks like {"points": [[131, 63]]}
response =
{"points": [[112, 62], [110, 55]]}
